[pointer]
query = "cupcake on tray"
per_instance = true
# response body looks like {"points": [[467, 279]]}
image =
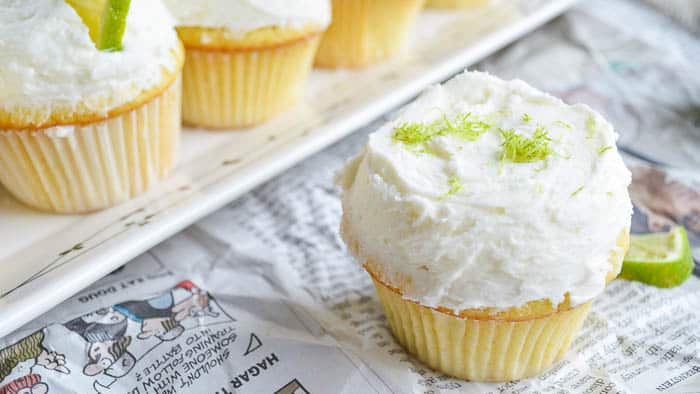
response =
{"points": [[247, 60], [90, 100], [489, 215], [364, 32]]}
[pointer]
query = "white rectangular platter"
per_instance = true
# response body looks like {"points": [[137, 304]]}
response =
{"points": [[45, 258]]}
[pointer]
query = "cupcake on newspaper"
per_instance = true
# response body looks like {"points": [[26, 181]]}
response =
{"points": [[489, 215], [247, 60], [89, 100], [364, 32]]}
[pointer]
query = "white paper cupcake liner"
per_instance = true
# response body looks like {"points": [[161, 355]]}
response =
{"points": [[87, 167]]}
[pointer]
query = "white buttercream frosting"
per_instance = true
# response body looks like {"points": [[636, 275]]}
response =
{"points": [[240, 16], [49, 61], [512, 232]]}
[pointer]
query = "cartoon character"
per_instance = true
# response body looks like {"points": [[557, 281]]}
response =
{"points": [[19, 359], [104, 330], [194, 302], [155, 316], [664, 202], [161, 316]]}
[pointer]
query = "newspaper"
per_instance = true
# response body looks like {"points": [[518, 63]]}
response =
{"points": [[262, 296], [685, 11]]}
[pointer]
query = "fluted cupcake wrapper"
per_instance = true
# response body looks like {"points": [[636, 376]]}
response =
{"points": [[94, 165], [480, 350], [239, 88], [455, 3], [364, 32]]}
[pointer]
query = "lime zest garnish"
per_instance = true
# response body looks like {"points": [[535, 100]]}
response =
{"points": [[463, 127], [455, 186], [610, 194], [105, 20], [577, 191], [413, 133], [604, 149], [659, 259], [539, 188], [521, 149], [563, 124], [526, 118], [417, 134], [590, 127]]}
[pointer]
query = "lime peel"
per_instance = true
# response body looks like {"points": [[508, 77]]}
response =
{"points": [[105, 20], [659, 259]]}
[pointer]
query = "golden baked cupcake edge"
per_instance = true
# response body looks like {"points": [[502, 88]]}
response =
{"points": [[365, 32]]}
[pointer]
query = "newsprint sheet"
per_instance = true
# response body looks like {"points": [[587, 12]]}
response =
{"points": [[262, 297]]}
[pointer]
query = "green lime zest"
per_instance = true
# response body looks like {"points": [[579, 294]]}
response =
{"points": [[563, 124], [466, 126], [521, 149], [526, 118], [455, 186], [604, 149], [577, 191], [417, 134], [659, 259], [413, 133], [590, 127], [105, 20]]}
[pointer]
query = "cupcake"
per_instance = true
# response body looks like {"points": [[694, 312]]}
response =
{"points": [[83, 129], [488, 215], [364, 32], [455, 3], [247, 60]]}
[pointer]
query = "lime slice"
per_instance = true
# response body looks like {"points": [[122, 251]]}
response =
{"points": [[659, 259], [106, 20]]}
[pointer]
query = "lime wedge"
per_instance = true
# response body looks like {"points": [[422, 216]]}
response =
{"points": [[659, 259], [106, 20]]}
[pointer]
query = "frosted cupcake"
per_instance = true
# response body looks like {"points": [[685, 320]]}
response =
{"points": [[489, 215], [364, 32], [455, 3], [83, 129], [247, 60]]}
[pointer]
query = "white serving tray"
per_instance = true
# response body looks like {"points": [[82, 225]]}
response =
{"points": [[45, 259]]}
